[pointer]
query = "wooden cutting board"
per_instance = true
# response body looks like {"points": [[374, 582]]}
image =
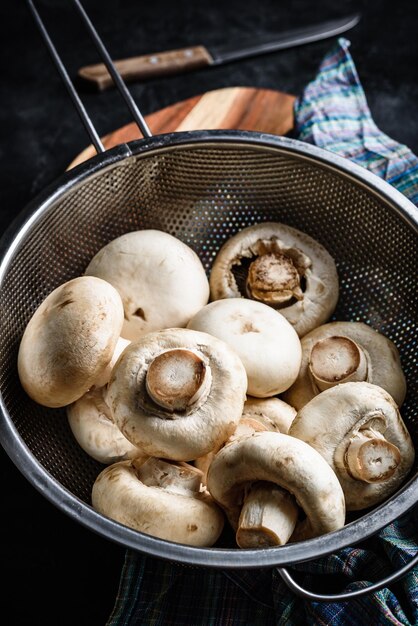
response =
{"points": [[242, 108]]}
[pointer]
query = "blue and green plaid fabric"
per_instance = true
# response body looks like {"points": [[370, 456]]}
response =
{"points": [[333, 114]]}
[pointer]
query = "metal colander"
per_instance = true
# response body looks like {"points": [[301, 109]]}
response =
{"points": [[203, 187]]}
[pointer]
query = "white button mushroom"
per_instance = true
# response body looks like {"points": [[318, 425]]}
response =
{"points": [[105, 377], [266, 414], [341, 352], [264, 340], [177, 393], [262, 479], [289, 270], [159, 498], [273, 413], [70, 340], [359, 431], [161, 280], [91, 423]]}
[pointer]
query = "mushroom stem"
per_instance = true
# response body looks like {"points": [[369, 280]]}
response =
{"points": [[178, 379], [336, 360], [273, 279], [268, 516], [370, 457], [174, 477]]}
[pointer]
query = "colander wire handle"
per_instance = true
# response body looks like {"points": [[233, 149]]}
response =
{"points": [[117, 78], [347, 595], [120, 84], [88, 124]]}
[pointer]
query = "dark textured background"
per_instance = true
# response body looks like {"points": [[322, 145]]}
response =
{"points": [[55, 571]]}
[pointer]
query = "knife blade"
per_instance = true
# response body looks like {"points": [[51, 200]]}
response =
{"points": [[196, 57]]}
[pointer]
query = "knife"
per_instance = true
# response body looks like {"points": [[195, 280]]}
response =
{"points": [[195, 57]]}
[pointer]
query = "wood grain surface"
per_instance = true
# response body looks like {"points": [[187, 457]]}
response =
{"points": [[242, 108]]}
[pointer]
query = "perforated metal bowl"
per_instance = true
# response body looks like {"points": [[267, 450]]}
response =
{"points": [[204, 187]]}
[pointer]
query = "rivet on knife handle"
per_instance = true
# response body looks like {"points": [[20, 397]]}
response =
{"points": [[148, 66]]}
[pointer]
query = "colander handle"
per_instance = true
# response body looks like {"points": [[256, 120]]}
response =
{"points": [[347, 595], [118, 80]]}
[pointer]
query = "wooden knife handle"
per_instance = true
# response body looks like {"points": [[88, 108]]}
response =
{"points": [[148, 66]]}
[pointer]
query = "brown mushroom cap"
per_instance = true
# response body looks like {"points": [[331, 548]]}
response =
{"points": [[342, 352], [161, 280], [161, 410], [70, 340], [359, 431], [282, 460], [159, 498], [92, 426], [290, 270], [264, 340]]}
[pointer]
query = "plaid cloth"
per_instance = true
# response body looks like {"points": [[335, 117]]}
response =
{"points": [[333, 114]]}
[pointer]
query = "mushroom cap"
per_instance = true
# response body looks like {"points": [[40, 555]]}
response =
{"points": [[69, 341], [194, 520], [252, 420], [264, 340], [273, 413], [259, 414], [329, 422], [282, 460], [161, 280], [92, 426], [178, 435], [383, 363], [319, 296], [105, 376]]}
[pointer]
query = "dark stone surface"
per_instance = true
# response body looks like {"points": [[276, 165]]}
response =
{"points": [[55, 571]]}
